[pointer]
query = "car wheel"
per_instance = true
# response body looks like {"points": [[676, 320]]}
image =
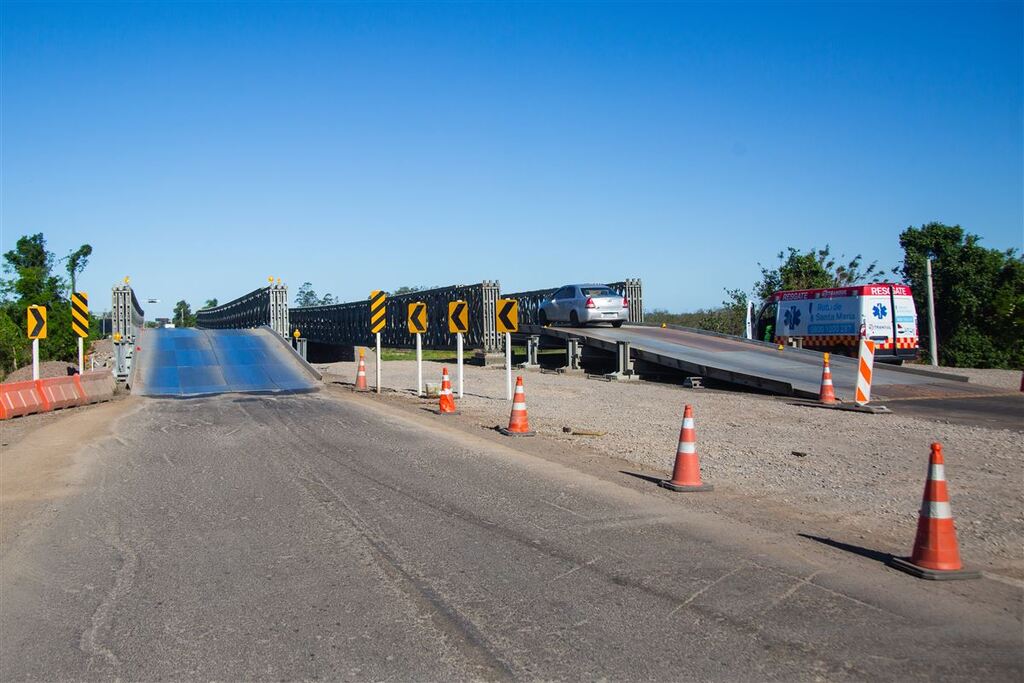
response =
{"points": [[617, 323], [574, 319], [543, 317]]}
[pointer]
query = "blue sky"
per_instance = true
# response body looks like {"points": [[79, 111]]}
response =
{"points": [[200, 148]]}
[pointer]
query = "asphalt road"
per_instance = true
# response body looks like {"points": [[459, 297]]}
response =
{"points": [[311, 537]]}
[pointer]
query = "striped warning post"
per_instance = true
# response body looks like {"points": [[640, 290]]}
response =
{"points": [[378, 311], [865, 365], [936, 554], [80, 314]]}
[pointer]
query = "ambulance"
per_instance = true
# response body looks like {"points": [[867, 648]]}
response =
{"points": [[835, 320]]}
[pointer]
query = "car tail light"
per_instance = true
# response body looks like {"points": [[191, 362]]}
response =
{"points": [[625, 302], [590, 303]]}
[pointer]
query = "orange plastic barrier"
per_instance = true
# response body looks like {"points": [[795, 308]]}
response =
{"points": [[21, 398], [96, 386], [61, 392]]}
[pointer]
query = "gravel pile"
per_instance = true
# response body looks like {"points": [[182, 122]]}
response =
{"points": [[47, 368], [865, 471]]}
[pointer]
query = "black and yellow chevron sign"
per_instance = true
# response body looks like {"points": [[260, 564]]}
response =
{"points": [[417, 317], [80, 313], [378, 311], [36, 322], [458, 317], [508, 315]]}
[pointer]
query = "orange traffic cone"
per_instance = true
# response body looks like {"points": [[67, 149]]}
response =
{"points": [[686, 473], [361, 373], [447, 400], [936, 555], [827, 394], [518, 421]]}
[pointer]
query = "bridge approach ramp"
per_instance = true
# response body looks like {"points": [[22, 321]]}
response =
{"points": [[184, 362], [790, 372]]}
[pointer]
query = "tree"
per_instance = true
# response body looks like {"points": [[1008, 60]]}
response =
{"points": [[183, 316], [210, 303], [405, 289], [813, 269], [14, 351], [31, 264], [729, 318], [306, 296], [979, 296], [33, 282], [77, 261]]}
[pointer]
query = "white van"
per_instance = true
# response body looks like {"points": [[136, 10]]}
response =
{"points": [[835, 320]]}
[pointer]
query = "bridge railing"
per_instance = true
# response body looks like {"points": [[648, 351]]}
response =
{"points": [[263, 306], [127, 321], [126, 313], [348, 324]]}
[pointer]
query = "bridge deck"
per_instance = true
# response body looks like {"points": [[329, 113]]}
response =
{"points": [[189, 362], [794, 372]]}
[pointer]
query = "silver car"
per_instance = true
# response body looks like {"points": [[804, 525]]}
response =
{"points": [[582, 304]]}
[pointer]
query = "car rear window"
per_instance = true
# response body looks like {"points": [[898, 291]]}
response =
{"points": [[597, 291]]}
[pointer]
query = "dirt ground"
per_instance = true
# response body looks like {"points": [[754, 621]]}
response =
{"points": [[860, 471], [41, 458]]}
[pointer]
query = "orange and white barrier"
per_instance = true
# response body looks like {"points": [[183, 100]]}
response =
{"points": [[21, 398], [61, 392], [936, 554], [97, 385], [686, 472], [53, 393], [518, 420], [827, 392], [865, 366], [447, 401]]}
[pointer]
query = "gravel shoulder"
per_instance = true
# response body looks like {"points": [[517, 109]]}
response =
{"points": [[859, 472], [990, 377]]}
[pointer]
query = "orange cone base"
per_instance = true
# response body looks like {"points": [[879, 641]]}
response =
{"points": [[506, 432], [447, 412], [681, 488], [904, 564]]}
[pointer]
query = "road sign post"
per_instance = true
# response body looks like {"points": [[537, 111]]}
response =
{"points": [[36, 330], [418, 325], [507, 321], [458, 324], [80, 324], [378, 321]]}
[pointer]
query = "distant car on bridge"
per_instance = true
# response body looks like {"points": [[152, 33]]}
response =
{"points": [[583, 304]]}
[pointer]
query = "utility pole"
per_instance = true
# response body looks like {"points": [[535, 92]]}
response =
{"points": [[933, 344]]}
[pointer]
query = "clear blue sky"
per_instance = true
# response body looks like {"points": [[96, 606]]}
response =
{"points": [[200, 148]]}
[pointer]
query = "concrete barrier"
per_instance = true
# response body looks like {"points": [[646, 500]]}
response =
{"points": [[61, 392], [21, 398], [96, 386]]}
